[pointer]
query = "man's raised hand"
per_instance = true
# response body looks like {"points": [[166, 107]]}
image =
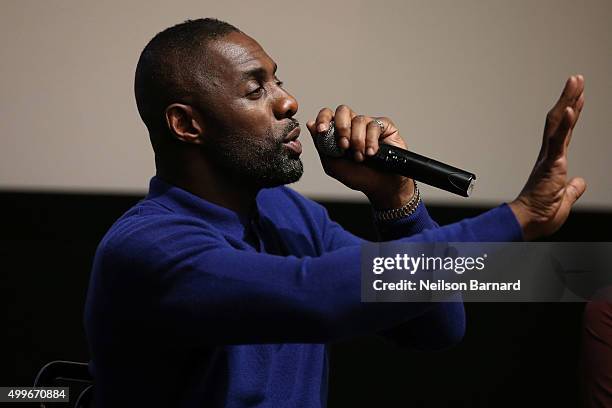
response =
{"points": [[546, 200]]}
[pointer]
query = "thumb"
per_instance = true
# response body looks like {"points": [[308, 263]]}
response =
{"points": [[314, 134], [310, 125], [574, 189]]}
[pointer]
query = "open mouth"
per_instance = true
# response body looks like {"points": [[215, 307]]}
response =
{"points": [[292, 143]]}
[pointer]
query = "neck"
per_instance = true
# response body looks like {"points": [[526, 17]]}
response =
{"points": [[210, 183]]}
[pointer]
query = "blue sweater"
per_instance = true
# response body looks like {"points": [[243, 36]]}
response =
{"points": [[192, 305]]}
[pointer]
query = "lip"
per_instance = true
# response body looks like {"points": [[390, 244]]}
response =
{"points": [[292, 143], [295, 146], [294, 134]]}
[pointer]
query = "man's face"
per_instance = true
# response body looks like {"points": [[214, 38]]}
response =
{"points": [[251, 132]]}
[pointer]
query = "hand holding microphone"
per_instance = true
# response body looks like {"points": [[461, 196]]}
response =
{"points": [[381, 170], [359, 135]]}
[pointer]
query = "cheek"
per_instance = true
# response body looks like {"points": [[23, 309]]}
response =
{"points": [[252, 120]]}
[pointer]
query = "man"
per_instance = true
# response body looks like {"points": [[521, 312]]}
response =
{"points": [[222, 286]]}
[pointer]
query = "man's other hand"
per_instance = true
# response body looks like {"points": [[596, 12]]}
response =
{"points": [[547, 198]]}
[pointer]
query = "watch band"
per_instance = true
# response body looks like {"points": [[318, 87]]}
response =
{"points": [[404, 211]]}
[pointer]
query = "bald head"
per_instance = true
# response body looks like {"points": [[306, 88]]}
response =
{"points": [[171, 66]]}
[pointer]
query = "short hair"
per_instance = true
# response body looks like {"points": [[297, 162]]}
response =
{"points": [[165, 68]]}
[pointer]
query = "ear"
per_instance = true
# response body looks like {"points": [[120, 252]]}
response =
{"points": [[185, 123]]}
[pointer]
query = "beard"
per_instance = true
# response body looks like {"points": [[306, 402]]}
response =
{"points": [[263, 163]]}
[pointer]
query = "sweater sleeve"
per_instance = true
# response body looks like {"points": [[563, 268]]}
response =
{"points": [[172, 280], [444, 324], [406, 226], [441, 325], [336, 237]]}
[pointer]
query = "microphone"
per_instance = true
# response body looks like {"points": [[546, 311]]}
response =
{"points": [[395, 160]]}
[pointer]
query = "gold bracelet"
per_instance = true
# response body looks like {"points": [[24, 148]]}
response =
{"points": [[404, 211]]}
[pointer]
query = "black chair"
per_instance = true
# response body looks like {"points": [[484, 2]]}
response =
{"points": [[70, 374]]}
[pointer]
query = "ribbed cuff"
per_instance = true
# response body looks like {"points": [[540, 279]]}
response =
{"points": [[406, 226]]}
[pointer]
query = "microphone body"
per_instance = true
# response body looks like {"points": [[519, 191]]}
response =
{"points": [[395, 160]]}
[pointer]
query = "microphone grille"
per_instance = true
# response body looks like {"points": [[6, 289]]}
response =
{"points": [[326, 144]]}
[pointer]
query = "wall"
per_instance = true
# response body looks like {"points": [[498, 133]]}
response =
{"points": [[467, 82]]}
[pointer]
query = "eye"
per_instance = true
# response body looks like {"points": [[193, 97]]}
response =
{"points": [[256, 93]]}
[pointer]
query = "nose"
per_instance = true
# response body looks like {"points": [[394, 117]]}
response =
{"points": [[285, 105]]}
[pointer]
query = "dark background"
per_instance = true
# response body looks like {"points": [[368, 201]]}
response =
{"points": [[513, 354]]}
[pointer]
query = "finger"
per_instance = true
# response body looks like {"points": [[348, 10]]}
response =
{"points": [[324, 117], [312, 128], [310, 125], [557, 141], [358, 136], [573, 191], [577, 110], [579, 93], [579, 86], [373, 133], [579, 104], [389, 128], [570, 92], [342, 121], [567, 98]]}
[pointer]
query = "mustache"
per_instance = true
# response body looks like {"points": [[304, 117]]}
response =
{"points": [[290, 126]]}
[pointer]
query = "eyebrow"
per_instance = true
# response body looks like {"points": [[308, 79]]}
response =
{"points": [[257, 72]]}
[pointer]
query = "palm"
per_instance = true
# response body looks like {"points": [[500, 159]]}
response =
{"points": [[548, 195]]}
